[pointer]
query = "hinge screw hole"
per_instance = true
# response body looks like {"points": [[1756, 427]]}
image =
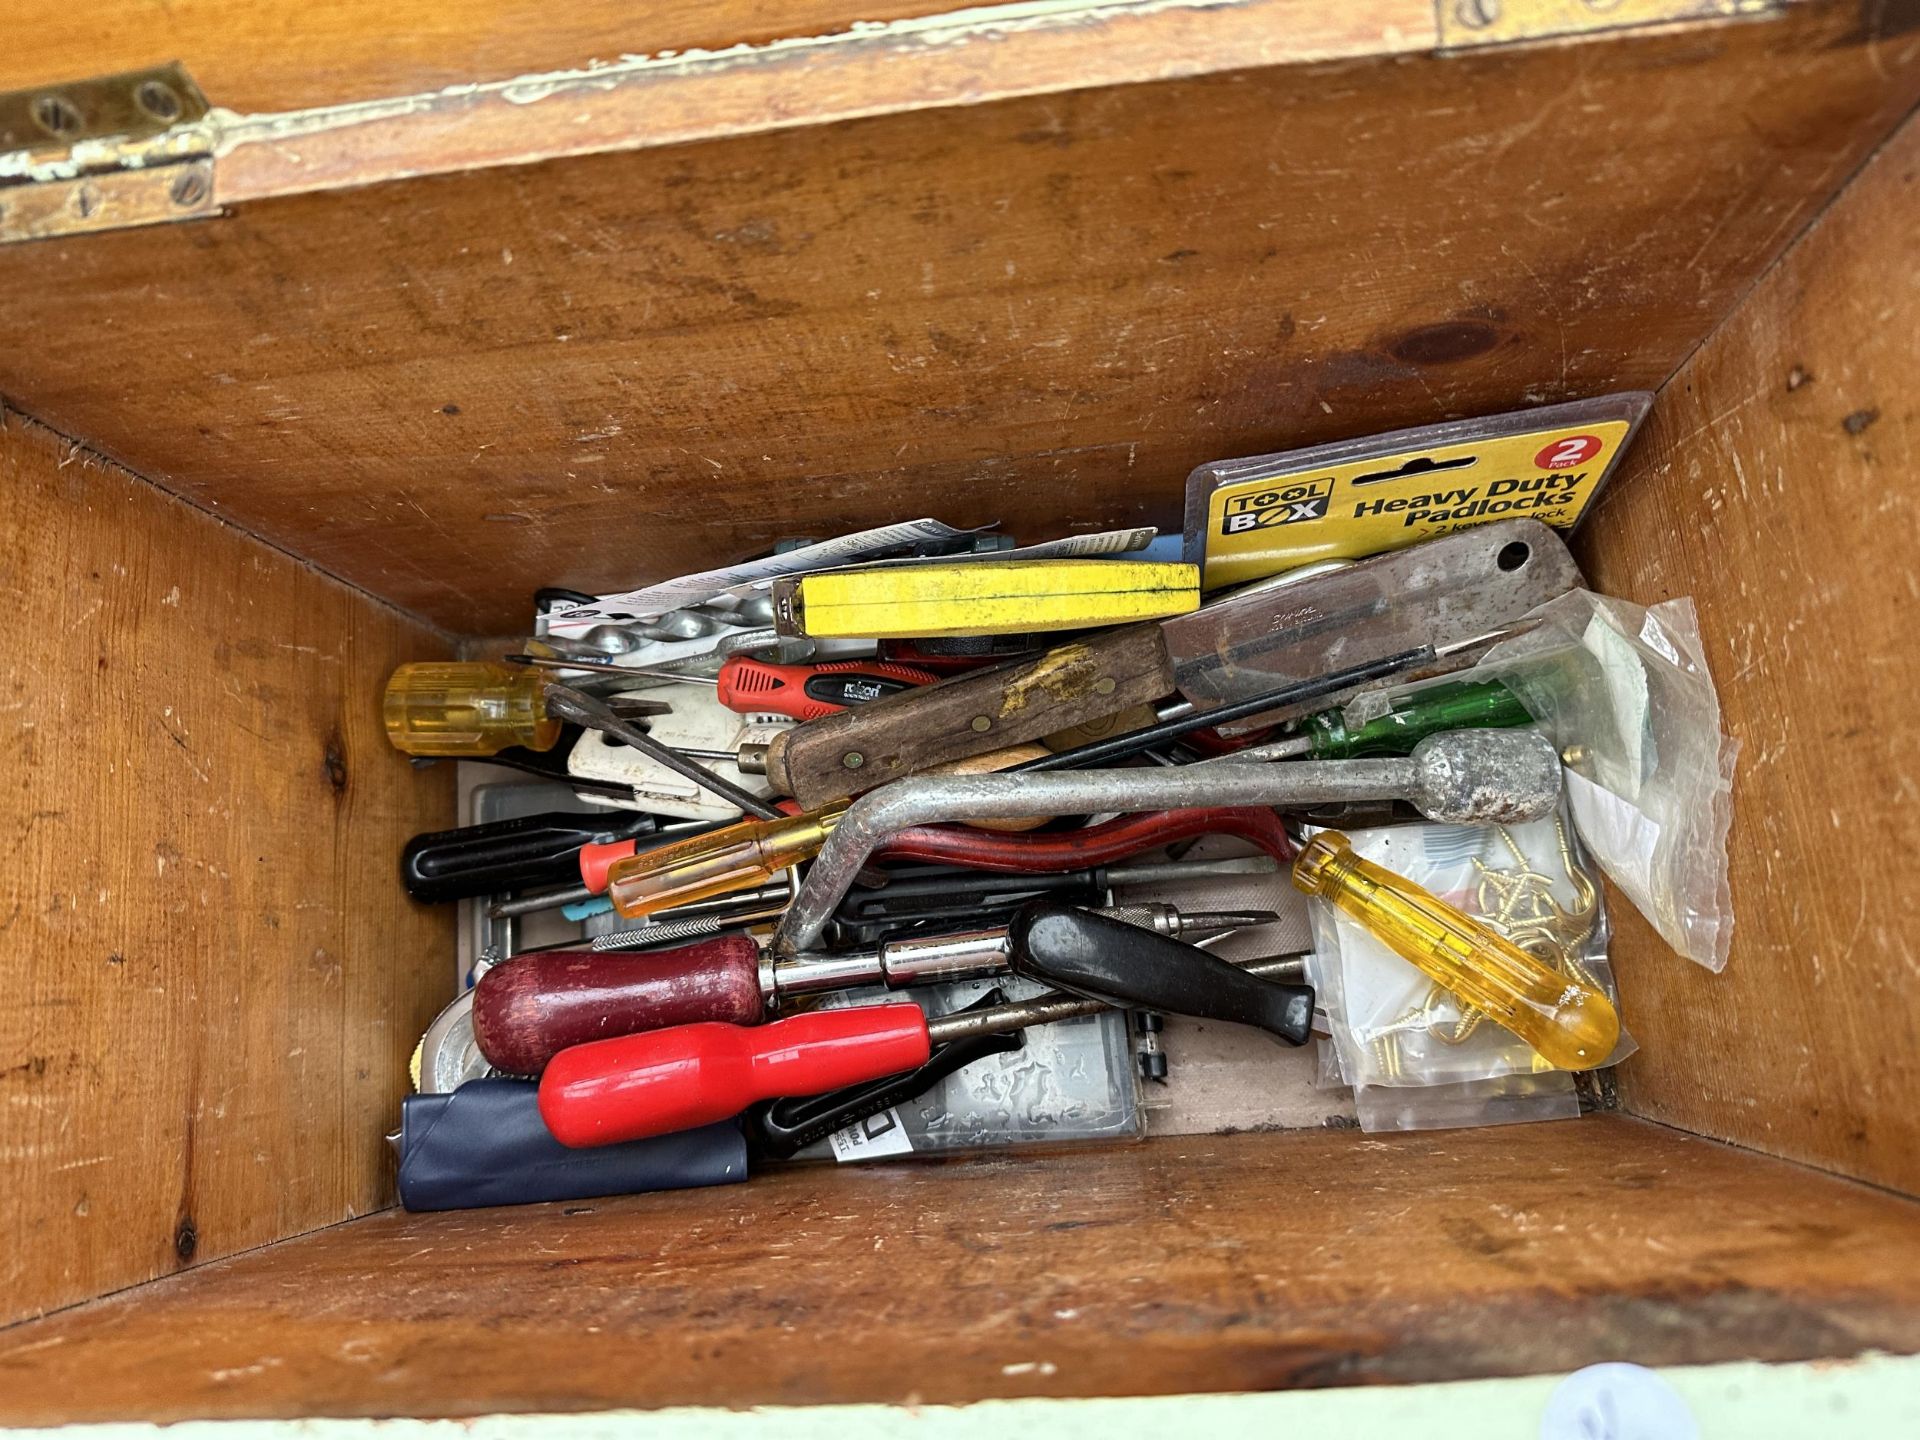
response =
{"points": [[57, 115]]}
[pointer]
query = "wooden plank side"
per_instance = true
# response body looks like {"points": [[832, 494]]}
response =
{"points": [[1252, 1262], [1775, 486], [1040, 311], [964, 57], [280, 54], [213, 982]]}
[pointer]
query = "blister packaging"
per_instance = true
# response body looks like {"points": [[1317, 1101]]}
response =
{"points": [[698, 721], [1394, 1028], [1624, 691], [1073, 1080]]}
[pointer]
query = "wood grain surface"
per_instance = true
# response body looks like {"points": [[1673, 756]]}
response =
{"points": [[212, 978], [1775, 486], [281, 54], [964, 57], [1042, 311], [1248, 1262]]}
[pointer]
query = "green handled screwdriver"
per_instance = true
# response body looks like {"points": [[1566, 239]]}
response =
{"points": [[1470, 705]]}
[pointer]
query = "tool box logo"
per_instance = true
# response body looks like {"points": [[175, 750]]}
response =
{"points": [[1286, 505]]}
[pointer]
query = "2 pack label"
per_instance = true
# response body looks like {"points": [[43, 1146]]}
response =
{"points": [[1247, 519]]}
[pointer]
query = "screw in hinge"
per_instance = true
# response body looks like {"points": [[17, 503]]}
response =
{"points": [[158, 100], [57, 115], [189, 188], [853, 759], [1477, 13]]}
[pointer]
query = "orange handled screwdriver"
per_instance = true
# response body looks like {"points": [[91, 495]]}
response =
{"points": [[736, 857]]}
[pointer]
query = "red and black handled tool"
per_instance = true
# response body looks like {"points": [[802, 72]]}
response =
{"points": [[522, 853], [529, 1009], [808, 692], [675, 1079]]}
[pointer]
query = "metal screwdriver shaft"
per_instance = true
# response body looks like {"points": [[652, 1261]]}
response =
{"points": [[566, 703], [1289, 969]]}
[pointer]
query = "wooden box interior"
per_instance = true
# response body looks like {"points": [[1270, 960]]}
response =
{"points": [[252, 463]]}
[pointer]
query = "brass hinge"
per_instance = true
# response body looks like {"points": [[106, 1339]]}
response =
{"points": [[104, 154], [1468, 23]]}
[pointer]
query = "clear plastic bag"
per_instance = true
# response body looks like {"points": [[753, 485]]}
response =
{"points": [[1394, 1028], [1623, 690], [1504, 1100]]}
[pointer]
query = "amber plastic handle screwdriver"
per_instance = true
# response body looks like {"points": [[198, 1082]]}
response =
{"points": [[718, 862], [477, 709], [1573, 1026], [466, 708]]}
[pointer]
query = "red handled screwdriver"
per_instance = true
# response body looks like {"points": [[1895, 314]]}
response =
{"points": [[675, 1079], [531, 1008]]}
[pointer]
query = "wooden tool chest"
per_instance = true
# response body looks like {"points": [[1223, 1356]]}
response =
{"points": [[373, 319]]}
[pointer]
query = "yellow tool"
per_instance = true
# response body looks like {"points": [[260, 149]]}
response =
{"points": [[994, 597], [1573, 1026], [719, 862], [467, 708]]}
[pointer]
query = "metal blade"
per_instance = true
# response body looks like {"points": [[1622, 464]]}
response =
{"points": [[1440, 592]]}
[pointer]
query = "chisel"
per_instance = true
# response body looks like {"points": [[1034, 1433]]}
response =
{"points": [[1433, 596]]}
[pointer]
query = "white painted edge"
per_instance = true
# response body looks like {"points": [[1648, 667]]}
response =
{"points": [[1871, 1396]]}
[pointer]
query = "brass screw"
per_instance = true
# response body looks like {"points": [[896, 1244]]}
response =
{"points": [[158, 100], [189, 188], [982, 724], [1106, 685], [57, 115], [853, 759]]}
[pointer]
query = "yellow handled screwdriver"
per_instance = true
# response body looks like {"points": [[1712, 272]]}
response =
{"points": [[466, 708], [1573, 1026], [476, 708]]}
